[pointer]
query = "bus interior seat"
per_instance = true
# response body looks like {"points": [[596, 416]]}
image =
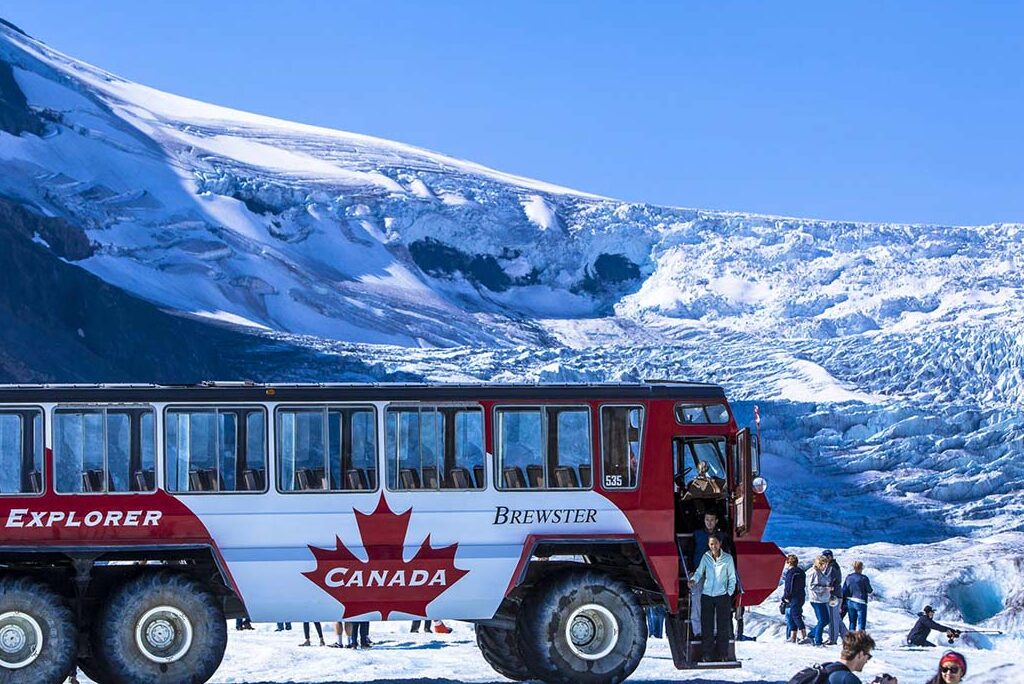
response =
{"points": [[585, 476], [355, 478], [371, 477], [408, 479], [430, 479], [513, 477], [92, 480], [254, 479], [144, 481], [565, 478], [458, 478], [479, 475], [535, 476], [307, 479], [35, 480]]}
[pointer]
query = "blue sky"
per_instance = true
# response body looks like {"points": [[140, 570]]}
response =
{"points": [[881, 111]]}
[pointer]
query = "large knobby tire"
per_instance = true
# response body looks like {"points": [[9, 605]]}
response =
{"points": [[582, 626], [38, 637], [160, 628], [500, 648]]}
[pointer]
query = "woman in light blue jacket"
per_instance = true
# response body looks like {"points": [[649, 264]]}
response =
{"points": [[718, 572], [819, 587]]}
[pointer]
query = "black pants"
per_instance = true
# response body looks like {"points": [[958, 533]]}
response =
{"points": [[360, 634], [426, 625], [919, 641], [715, 626], [319, 630]]}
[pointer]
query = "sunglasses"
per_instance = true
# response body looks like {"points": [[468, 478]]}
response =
{"points": [[951, 669]]}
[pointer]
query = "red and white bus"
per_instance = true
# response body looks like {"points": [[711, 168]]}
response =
{"points": [[137, 518]]}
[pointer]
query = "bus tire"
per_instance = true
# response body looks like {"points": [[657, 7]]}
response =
{"points": [[500, 648], [160, 628], [582, 626], [38, 635]]}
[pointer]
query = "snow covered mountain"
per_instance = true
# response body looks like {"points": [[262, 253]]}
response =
{"points": [[152, 237]]}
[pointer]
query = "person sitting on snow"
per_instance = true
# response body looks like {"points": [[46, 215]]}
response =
{"points": [[922, 629]]}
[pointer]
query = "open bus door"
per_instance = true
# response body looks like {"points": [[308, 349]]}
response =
{"points": [[743, 496]]}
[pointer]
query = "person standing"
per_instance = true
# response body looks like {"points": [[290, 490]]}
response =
{"points": [[952, 669], [656, 621], [360, 635], [427, 626], [836, 628], [821, 591], [700, 547], [717, 572], [856, 589], [305, 632], [794, 581], [281, 626]]}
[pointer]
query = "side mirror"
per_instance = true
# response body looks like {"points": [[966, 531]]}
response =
{"points": [[759, 485]]}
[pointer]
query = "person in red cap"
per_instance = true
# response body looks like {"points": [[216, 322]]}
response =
{"points": [[952, 669]]}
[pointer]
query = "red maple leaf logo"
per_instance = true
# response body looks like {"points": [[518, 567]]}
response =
{"points": [[385, 581]]}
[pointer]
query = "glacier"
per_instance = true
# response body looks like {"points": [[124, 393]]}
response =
{"points": [[886, 359]]}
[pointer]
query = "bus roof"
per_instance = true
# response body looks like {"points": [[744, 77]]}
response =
{"points": [[249, 391]]}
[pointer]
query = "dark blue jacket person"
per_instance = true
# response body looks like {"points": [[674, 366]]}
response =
{"points": [[794, 594], [856, 590]]}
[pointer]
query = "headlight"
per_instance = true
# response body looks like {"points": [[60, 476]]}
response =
{"points": [[759, 485]]}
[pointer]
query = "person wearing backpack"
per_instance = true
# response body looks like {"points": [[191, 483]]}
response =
{"points": [[819, 586], [794, 582], [717, 571], [855, 655]]}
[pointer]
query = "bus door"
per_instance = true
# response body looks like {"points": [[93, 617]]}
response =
{"points": [[701, 481], [743, 478]]}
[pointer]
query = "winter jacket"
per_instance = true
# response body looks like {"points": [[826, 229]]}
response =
{"points": [[857, 587], [923, 627], [835, 579], [818, 585], [795, 585], [700, 546], [719, 575]]}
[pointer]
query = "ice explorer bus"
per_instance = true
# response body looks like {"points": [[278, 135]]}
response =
{"points": [[138, 518]]}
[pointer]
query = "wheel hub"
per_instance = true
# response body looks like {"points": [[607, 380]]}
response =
{"points": [[21, 640], [164, 634], [592, 632]]}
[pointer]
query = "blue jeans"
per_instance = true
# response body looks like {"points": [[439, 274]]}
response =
{"points": [[858, 614], [821, 615], [656, 622], [795, 618]]}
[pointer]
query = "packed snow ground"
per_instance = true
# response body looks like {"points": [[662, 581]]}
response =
{"points": [[399, 657]]}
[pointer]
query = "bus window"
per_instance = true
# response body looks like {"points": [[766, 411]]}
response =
{"points": [[104, 450], [694, 414], [700, 466], [327, 449], [547, 448], [434, 447], [215, 450], [21, 452], [621, 428]]}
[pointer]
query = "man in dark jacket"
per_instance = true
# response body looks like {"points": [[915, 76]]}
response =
{"points": [[922, 629], [794, 594], [836, 629]]}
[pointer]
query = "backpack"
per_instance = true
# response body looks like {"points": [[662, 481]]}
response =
{"points": [[817, 674]]}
